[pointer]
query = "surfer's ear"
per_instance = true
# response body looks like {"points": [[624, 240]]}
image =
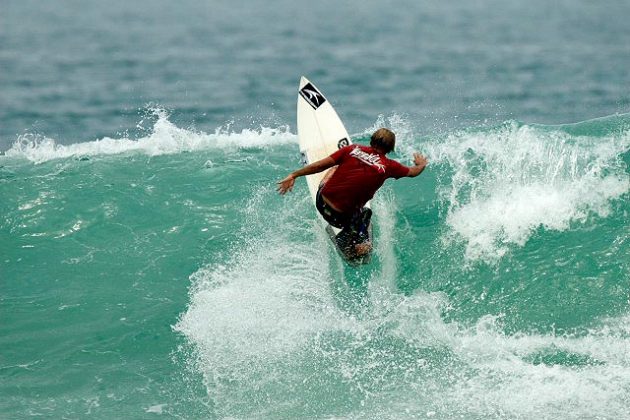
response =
{"points": [[384, 140]]}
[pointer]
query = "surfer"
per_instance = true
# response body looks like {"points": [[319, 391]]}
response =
{"points": [[359, 171]]}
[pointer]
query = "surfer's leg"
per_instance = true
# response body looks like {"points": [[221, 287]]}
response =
{"points": [[356, 234], [332, 216], [363, 245], [364, 221], [360, 223]]}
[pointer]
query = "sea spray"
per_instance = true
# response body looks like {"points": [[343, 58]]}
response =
{"points": [[163, 138], [508, 182]]}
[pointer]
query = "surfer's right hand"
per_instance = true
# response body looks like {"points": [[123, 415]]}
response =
{"points": [[419, 160], [286, 184]]}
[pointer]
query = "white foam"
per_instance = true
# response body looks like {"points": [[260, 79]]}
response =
{"points": [[165, 138], [509, 182], [251, 317], [156, 409], [493, 374], [271, 338], [514, 385], [262, 306]]}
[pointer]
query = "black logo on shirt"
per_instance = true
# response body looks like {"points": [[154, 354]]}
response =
{"points": [[343, 143], [312, 96]]}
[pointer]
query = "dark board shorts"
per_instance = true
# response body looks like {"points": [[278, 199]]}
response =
{"points": [[332, 216]]}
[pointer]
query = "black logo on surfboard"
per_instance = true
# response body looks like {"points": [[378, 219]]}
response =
{"points": [[343, 143], [312, 96]]}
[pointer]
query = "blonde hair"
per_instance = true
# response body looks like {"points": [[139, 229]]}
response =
{"points": [[384, 140]]}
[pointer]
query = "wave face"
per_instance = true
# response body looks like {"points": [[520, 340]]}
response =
{"points": [[498, 287]]}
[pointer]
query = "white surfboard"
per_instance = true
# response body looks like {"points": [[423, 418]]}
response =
{"points": [[320, 133]]}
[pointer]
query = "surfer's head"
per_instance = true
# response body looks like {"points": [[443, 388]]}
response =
{"points": [[384, 140]]}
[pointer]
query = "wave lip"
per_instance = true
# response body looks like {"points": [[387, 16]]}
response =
{"points": [[165, 138], [508, 182]]}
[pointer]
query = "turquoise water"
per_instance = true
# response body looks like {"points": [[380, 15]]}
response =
{"points": [[148, 267]]}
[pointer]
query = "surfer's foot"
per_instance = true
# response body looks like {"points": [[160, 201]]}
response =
{"points": [[364, 248]]}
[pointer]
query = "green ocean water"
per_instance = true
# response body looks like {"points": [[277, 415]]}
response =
{"points": [[149, 268], [166, 276]]}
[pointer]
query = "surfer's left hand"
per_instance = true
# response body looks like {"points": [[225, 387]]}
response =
{"points": [[286, 184]]}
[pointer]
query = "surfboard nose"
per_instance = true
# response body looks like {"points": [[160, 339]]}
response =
{"points": [[303, 81]]}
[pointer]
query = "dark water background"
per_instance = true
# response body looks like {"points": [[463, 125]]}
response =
{"points": [[77, 71]]}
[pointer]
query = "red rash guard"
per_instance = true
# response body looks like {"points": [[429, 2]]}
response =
{"points": [[362, 170]]}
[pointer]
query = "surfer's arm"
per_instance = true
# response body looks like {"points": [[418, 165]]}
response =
{"points": [[420, 162], [286, 184]]}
